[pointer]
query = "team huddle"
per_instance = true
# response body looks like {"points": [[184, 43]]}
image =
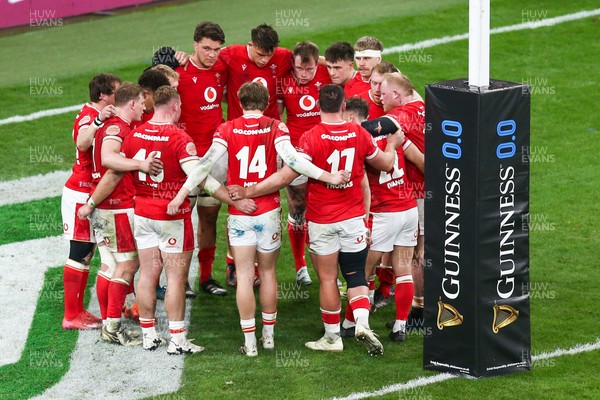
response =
{"points": [[350, 155]]}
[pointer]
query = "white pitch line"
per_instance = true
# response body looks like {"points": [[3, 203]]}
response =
{"points": [[40, 114], [31, 188], [22, 269], [424, 381], [511, 28], [396, 49]]}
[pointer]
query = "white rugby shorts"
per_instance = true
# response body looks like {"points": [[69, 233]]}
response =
{"points": [[262, 231], [174, 236], [391, 229], [348, 236], [75, 228], [116, 228]]}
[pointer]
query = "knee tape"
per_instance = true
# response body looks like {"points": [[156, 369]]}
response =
{"points": [[107, 257]]}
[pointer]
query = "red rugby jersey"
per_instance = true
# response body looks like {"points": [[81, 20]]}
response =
{"points": [[81, 176], [250, 141], [332, 147], [242, 69], [114, 128], [153, 193]]}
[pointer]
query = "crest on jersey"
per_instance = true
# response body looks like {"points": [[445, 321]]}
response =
{"points": [[244, 66], [194, 78], [307, 102], [191, 149], [113, 130], [318, 85], [85, 120], [210, 94], [261, 80], [273, 68], [283, 127]]}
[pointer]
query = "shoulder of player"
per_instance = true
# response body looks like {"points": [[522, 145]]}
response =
{"points": [[283, 52], [232, 50], [322, 73], [86, 115]]}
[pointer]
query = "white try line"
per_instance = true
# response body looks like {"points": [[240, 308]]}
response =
{"points": [[31, 188], [511, 28], [424, 381], [396, 49], [40, 114]]}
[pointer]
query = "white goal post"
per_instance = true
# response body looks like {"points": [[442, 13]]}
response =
{"points": [[479, 44]]}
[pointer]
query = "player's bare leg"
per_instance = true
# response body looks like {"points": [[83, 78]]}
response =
{"points": [[177, 267], [329, 300], [268, 296], [149, 278], [244, 265]]}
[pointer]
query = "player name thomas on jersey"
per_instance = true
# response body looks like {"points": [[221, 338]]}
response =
{"points": [[334, 147]]}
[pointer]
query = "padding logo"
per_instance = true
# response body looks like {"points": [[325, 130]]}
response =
{"points": [[503, 316], [447, 316]]}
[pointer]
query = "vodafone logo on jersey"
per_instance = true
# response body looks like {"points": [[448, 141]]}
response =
{"points": [[262, 81], [307, 102], [172, 241], [210, 94]]}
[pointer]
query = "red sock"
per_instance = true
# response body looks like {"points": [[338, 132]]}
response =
{"points": [[83, 287], [131, 289], [229, 259], [117, 290], [72, 276], [371, 282], [403, 296], [386, 280], [206, 256], [102, 284], [360, 302], [297, 236], [146, 323], [349, 314], [330, 317]]}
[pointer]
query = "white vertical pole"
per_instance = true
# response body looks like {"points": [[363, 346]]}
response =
{"points": [[479, 43]]}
